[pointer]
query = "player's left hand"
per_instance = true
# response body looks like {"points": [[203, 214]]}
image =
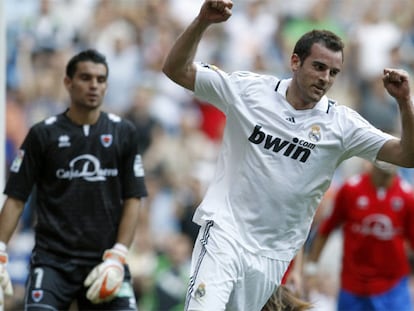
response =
{"points": [[105, 280], [396, 82]]}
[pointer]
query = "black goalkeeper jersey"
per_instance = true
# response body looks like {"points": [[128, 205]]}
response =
{"points": [[82, 175]]}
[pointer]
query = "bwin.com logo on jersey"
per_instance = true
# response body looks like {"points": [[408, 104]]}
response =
{"points": [[297, 149]]}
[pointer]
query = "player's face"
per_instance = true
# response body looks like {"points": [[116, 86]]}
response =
{"points": [[315, 76], [88, 86]]}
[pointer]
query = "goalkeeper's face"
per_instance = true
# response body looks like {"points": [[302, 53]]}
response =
{"points": [[88, 85]]}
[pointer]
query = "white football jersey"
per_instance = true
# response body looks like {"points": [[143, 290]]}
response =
{"points": [[275, 162]]}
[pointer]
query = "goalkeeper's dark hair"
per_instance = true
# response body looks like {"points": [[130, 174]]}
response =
{"points": [[89, 55], [283, 299], [324, 37]]}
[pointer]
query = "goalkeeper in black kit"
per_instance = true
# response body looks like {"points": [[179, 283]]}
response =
{"points": [[89, 182]]}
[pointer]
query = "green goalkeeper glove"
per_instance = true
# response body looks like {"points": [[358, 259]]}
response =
{"points": [[105, 280], [5, 284]]}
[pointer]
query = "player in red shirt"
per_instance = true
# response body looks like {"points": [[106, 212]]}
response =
{"points": [[376, 212]]}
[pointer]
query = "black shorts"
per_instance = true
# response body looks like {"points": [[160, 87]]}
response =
{"points": [[53, 288]]}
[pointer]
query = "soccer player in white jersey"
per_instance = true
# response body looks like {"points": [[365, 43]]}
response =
{"points": [[282, 143]]}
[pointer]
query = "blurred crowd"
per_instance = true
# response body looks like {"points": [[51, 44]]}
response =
{"points": [[179, 135]]}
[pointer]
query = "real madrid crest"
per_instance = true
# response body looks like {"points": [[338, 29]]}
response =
{"points": [[315, 134], [200, 291]]}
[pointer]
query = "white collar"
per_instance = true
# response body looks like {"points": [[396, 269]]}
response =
{"points": [[322, 105]]}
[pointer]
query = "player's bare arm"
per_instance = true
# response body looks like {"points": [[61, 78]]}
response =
{"points": [[400, 151], [129, 221], [9, 218], [179, 64]]}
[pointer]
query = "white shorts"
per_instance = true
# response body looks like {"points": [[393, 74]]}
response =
{"points": [[224, 276]]}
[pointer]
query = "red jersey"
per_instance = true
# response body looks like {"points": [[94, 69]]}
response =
{"points": [[376, 224]]}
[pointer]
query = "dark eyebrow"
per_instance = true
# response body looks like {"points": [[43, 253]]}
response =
{"points": [[315, 62], [89, 75], [318, 63]]}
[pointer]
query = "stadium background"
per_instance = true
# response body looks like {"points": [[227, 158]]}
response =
{"points": [[180, 135]]}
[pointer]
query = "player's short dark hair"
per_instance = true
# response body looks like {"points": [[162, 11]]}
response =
{"points": [[325, 37], [90, 55]]}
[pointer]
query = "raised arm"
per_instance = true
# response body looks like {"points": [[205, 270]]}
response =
{"points": [[400, 151], [179, 64]]}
